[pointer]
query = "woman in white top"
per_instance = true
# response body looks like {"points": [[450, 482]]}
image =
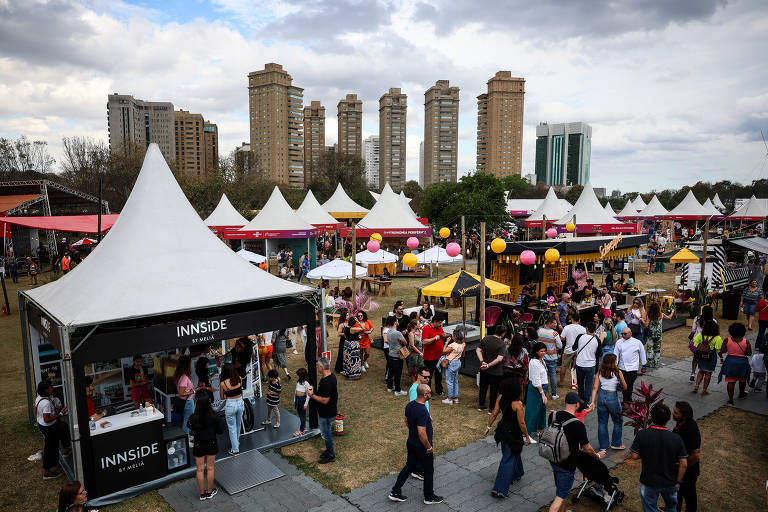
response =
{"points": [[606, 301], [606, 388], [636, 319], [52, 429], [300, 400], [536, 397]]}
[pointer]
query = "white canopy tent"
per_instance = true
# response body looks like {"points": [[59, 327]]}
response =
{"points": [[375, 195], [712, 208], [590, 216], [436, 254], [551, 207], [717, 202], [628, 212], [638, 203], [609, 210], [251, 256], [225, 215], [654, 209], [754, 209], [279, 218], [341, 206], [311, 211], [407, 204], [157, 215], [367, 257], [391, 217], [689, 209], [336, 269]]}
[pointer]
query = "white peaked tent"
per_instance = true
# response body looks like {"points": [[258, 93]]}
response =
{"points": [[654, 209], [374, 195], [689, 209], [336, 269], [166, 279], [251, 256], [628, 212], [367, 257], [407, 204], [754, 209], [225, 216], [311, 211], [638, 203], [342, 207], [277, 220], [712, 208], [718, 203], [390, 218], [609, 209], [591, 217], [436, 254], [552, 207]]}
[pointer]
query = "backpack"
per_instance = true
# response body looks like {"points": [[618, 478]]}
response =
{"points": [[553, 445]]}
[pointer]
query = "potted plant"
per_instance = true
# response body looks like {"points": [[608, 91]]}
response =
{"points": [[638, 411], [700, 297]]}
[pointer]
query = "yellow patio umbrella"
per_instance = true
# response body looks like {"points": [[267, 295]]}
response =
{"points": [[463, 284], [684, 256]]}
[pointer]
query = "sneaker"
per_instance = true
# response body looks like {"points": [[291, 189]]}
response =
{"points": [[397, 496], [533, 440], [555, 397], [366, 365], [276, 425], [51, 475], [729, 403], [481, 409], [204, 496], [213, 493], [266, 422], [389, 390], [362, 369], [497, 495], [743, 395], [447, 401], [418, 476], [234, 454], [400, 393], [434, 500], [326, 459]]}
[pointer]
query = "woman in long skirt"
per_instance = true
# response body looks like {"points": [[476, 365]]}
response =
{"points": [[536, 399], [340, 331], [352, 366]]}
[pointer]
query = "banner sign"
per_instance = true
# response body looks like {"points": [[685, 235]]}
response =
{"points": [[44, 325]]}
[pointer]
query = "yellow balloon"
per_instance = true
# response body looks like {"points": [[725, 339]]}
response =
{"points": [[571, 227], [445, 232], [409, 260], [552, 255], [498, 245], [376, 237]]}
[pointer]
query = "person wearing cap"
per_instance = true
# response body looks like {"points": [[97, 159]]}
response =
{"points": [[576, 434], [631, 355]]}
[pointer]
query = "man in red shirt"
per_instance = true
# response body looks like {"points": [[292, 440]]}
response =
{"points": [[432, 336]]}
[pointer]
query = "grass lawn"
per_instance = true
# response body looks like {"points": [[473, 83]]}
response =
{"points": [[372, 444]]}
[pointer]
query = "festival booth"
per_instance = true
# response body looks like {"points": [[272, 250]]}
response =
{"points": [[278, 226], [120, 302], [654, 210], [688, 213], [377, 262], [716, 214], [628, 212], [342, 207], [552, 262], [225, 217], [311, 211], [550, 209], [526, 207], [588, 216], [753, 210], [718, 203]]}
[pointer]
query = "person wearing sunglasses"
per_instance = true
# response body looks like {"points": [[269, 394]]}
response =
{"points": [[631, 356], [72, 493]]}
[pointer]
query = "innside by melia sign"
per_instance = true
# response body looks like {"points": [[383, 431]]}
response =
{"points": [[202, 331]]}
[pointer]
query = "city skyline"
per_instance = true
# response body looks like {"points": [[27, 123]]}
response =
{"points": [[642, 77]]}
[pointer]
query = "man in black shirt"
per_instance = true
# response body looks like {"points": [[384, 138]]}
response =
{"points": [[326, 395], [664, 461], [688, 431], [242, 353], [490, 353]]}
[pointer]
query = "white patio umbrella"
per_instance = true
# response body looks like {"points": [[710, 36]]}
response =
{"points": [[367, 257], [84, 241], [436, 254], [336, 269], [251, 256]]}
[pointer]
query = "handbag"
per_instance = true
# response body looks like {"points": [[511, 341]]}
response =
{"points": [[444, 362], [404, 352]]}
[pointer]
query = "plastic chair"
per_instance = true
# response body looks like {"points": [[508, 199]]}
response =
{"points": [[526, 317], [492, 314]]}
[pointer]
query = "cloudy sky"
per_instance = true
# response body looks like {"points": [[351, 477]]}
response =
{"points": [[675, 91]]}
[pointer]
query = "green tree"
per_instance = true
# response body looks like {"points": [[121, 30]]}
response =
{"points": [[347, 170], [517, 187], [412, 188], [22, 158], [573, 194]]}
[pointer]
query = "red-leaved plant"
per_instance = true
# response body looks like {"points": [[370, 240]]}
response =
{"points": [[360, 301], [638, 411]]}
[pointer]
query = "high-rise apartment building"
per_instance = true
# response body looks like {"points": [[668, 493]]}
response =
{"points": [[211, 132], [350, 125], [500, 126], [276, 118], [371, 158], [189, 132], [140, 122], [393, 107], [243, 158], [441, 133], [314, 140], [421, 164], [563, 152]]}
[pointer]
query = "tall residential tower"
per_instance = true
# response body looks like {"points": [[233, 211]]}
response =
{"points": [[350, 125], [314, 140], [393, 107], [140, 122], [276, 119], [371, 158], [441, 133], [500, 126]]}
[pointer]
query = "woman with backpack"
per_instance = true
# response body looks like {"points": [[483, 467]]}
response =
{"points": [[707, 313], [736, 366], [511, 434], [707, 345], [205, 425]]}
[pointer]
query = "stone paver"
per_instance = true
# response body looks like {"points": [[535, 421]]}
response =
{"points": [[464, 476]]}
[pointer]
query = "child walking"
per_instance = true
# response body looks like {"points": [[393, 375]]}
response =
{"points": [[300, 400], [273, 398], [758, 370]]}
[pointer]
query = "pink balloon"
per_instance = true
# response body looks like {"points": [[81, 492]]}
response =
{"points": [[373, 245], [412, 242], [527, 257], [551, 232], [453, 249]]}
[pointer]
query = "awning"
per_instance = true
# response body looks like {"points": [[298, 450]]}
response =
{"points": [[752, 243], [10, 202], [69, 223]]}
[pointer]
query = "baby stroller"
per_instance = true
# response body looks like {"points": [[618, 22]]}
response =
{"points": [[603, 489]]}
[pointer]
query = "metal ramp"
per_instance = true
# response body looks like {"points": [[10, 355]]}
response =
{"points": [[249, 469]]}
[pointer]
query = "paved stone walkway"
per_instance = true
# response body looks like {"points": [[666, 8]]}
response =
{"points": [[464, 476]]}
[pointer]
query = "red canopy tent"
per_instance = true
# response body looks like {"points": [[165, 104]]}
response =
{"points": [[70, 223]]}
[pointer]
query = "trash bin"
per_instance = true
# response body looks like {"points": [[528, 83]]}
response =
{"points": [[730, 305]]}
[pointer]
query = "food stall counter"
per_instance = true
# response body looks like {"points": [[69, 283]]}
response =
{"points": [[125, 420]]}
